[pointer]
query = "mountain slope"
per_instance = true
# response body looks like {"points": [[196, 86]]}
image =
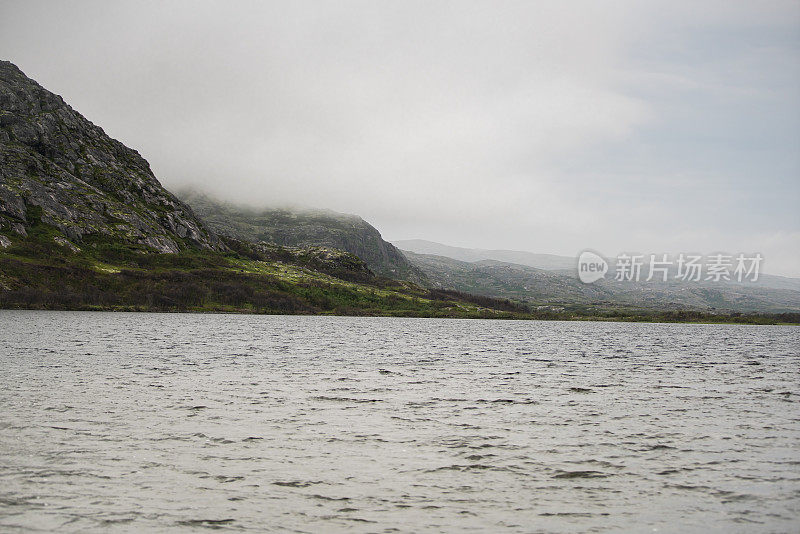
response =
{"points": [[59, 168], [562, 264], [562, 288], [303, 228], [504, 280], [538, 261]]}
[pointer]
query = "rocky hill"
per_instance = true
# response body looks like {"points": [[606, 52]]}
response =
{"points": [[306, 228], [548, 262], [540, 287], [58, 168]]}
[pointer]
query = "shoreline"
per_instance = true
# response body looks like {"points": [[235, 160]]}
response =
{"points": [[754, 320]]}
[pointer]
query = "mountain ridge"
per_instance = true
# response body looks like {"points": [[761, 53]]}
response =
{"points": [[541, 287], [303, 227], [520, 257]]}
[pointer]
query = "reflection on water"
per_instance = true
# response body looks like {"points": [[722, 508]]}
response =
{"points": [[125, 422]]}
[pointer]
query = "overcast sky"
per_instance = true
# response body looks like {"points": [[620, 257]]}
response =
{"points": [[543, 126]]}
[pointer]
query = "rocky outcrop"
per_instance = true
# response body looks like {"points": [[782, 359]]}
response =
{"points": [[332, 261], [58, 168], [306, 228]]}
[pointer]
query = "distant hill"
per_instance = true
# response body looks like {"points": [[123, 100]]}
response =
{"points": [[540, 287], [548, 262], [565, 265], [506, 280], [304, 228]]}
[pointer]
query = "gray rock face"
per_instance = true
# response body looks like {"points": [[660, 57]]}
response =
{"points": [[79, 179], [65, 243], [307, 228]]}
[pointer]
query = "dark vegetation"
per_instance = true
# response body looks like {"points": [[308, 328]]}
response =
{"points": [[480, 300], [73, 287]]}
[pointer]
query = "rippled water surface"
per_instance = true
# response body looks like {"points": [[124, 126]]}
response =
{"points": [[160, 422]]}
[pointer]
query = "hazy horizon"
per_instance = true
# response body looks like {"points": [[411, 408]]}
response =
{"points": [[547, 127]]}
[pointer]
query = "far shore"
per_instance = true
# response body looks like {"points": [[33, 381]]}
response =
{"points": [[643, 316]]}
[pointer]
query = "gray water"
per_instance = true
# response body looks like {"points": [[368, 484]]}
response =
{"points": [[113, 422]]}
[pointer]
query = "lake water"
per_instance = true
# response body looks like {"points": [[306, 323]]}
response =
{"points": [[172, 422]]}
